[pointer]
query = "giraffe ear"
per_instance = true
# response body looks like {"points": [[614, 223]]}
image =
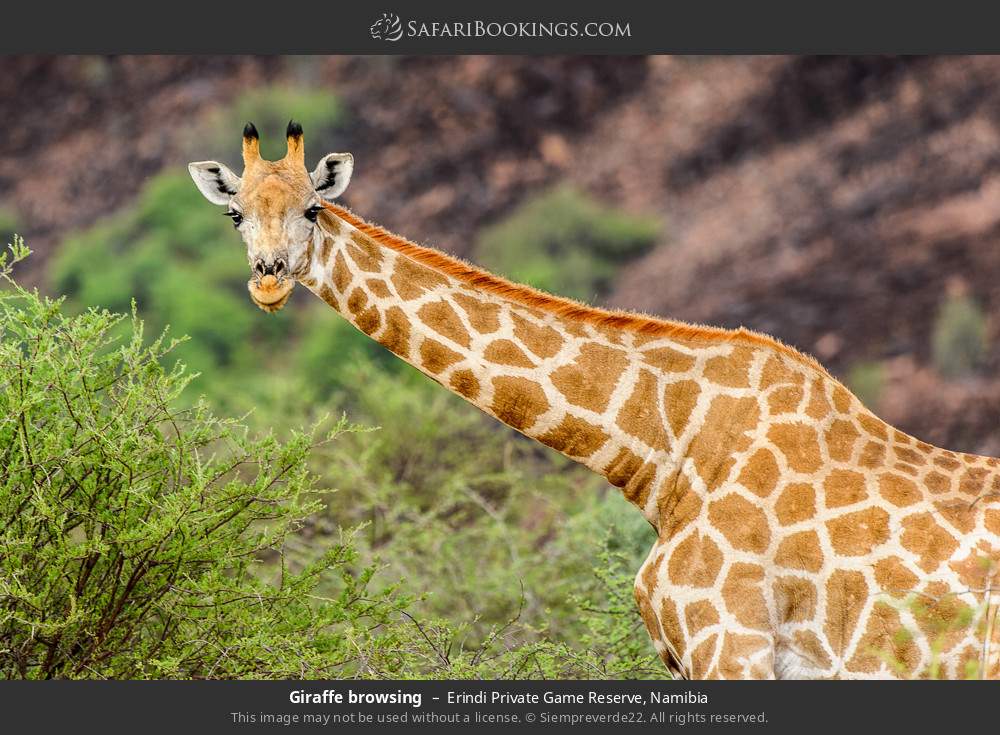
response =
{"points": [[215, 181], [332, 175]]}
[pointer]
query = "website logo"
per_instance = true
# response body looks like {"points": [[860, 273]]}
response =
{"points": [[387, 28], [390, 28]]}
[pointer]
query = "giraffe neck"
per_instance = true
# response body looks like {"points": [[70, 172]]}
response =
{"points": [[613, 398], [792, 524]]}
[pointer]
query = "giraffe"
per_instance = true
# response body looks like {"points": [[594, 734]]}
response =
{"points": [[798, 535]]}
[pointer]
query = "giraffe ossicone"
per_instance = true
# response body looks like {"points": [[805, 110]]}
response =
{"points": [[798, 535]]}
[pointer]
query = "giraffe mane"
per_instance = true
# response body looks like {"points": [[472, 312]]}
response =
{"points": [[561, 306]]}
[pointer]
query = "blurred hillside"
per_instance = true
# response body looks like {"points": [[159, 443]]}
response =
{"points": [[849, 206]]}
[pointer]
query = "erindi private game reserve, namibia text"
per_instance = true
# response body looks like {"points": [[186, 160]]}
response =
{"points": [[415, 699]]}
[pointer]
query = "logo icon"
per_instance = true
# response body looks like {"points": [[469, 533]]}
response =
{"points": [[387, 28]]}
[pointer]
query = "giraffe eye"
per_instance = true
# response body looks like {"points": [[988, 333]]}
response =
{"points": [[236, 217], [313, 212]]}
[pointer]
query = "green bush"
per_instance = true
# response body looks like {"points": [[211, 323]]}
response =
{"points": [[134, 531], [959, 341], [565, 243]]}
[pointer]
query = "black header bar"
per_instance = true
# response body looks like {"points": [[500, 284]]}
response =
{"points": [[514, 27]]}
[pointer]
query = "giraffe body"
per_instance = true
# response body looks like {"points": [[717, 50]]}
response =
{"points": [[798, 535]]}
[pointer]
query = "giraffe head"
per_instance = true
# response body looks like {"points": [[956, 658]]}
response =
{"points": [[275, 206]]}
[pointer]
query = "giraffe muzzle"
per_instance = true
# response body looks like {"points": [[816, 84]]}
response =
{"points": [[270, 292], [276, 267]]}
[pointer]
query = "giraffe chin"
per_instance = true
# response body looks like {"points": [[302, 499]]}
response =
{"points": [[269, 294]]}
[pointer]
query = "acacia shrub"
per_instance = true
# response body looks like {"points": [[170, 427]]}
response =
{"points": [[134, 534]]}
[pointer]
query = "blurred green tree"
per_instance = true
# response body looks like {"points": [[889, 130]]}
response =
{"points": [[959, 340], [565, 243]]}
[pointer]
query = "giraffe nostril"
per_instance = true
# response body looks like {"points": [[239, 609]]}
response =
{"points": [[279, 267], [258, 267]]}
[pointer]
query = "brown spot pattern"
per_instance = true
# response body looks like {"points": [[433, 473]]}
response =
{"points": [[696, 562], [797, 502], [884, 639], [858, 533], [367, 319], [844, 487], [326, 293], [639, 416], [809, 646], [575, 437], [672, 626], [873, 455], [378, 288], [590, 379], [668, 360], [732, 370], [439, 316], [785, 399], [795, 599], [873, 426], [841, 399], [396, 335], [800, 551], [743, 594], [341, 273], [679, 400], [465, 383], [840, 439], [678, 506], [777, 372], [622, 468], [725, 425], [924, 537], [636, 490], [936, 482], [846, 592], [898, 490], [760, 473], [505, 352], [435, 357], [365, 253], [702, 655], [742, 523], [357, 301], [819, 406], [411, 279], [700, 614], [483, 316], [737, 649], [893, 576], [799, 443], [543, 340], [518, 402], [905, 454], [972, 481]]}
